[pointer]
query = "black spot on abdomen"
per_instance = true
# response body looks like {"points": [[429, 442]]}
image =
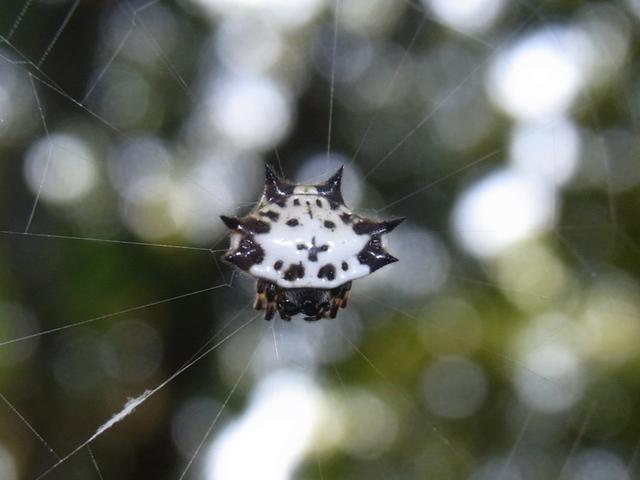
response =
{"points": [[329, 224], [328, 271], [248, 254], [318, 202], [277, 265], [271, 215], [255, 226], [295, 271], [345, 266], [293, 222]]}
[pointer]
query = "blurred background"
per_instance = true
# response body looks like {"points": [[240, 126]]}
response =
{"points": [[502, 346]]}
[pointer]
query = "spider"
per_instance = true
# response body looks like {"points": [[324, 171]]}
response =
{"points": [[305, 247]]}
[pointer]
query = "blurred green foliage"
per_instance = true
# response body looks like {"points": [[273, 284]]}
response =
{"points": [[404, 89]]}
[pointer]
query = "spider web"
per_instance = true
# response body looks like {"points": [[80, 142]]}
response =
{"points": [[94, 264]]}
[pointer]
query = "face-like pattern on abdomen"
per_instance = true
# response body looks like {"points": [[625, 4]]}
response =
{"points": [[303, 236], [310, 244]]}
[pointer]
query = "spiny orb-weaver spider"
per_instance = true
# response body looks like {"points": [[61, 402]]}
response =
{"points": [[305, 247]]}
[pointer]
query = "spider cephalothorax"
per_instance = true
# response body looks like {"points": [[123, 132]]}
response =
{"points": [[305, 247]]}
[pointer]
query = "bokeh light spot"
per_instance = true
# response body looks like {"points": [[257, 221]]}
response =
{"points": [[538, 76], [468, 16], [251, 112], [550, 149], [62, 167], [500, 210], [270, 438]]}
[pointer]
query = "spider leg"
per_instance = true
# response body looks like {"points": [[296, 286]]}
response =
{"points": [[344, 294], [270, 312], [281, 310], [260, 295], [339, 297], [272, 293], [335, 305]]}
